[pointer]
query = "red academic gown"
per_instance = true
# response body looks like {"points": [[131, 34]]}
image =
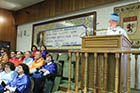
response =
{"points": [[17, 62], [13, 60]]}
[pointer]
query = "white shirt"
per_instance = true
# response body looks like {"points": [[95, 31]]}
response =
{"points": [[117, 30]]}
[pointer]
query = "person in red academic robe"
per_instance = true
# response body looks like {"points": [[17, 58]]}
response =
{"points": [[34, 50], [13, 58], [20, 58]]}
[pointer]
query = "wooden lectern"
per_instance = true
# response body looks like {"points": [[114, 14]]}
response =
{"points": [[105, 43]]}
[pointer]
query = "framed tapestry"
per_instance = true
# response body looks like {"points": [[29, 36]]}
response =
{"points": [[65, 33], [130, 21]]}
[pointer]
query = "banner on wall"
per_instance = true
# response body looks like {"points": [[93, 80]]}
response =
{"points": [[129, 20], [64, 34], [63, 38], [130, 24]]}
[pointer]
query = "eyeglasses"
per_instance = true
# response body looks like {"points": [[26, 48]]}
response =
{"points": [[2, 52]]}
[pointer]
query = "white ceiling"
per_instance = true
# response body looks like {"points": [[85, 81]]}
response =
{"points": [[15, 5]]}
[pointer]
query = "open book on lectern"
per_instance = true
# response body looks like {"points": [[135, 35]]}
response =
{"points": [[105, 32]]}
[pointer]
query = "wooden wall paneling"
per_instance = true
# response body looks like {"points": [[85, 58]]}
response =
{"points": [[8, 28], [79, 4], [27, 12], [49, 8], [72, 4], [45, 9], [33, 13], [13, 34], [39, 10], [91, 3], [66, 6], [58, 7], [20, 17], [70, 7], [52, 7], [101, 2]]}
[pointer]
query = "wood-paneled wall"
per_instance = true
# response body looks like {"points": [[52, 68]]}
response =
{"points": [[8, 28], [50, 8]]}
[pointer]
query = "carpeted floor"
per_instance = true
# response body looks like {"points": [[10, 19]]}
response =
{"points": [[64, 84], [132, 91], [135, 91]]}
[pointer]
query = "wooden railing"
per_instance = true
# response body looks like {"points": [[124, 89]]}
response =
{"points": [[118, 71]]}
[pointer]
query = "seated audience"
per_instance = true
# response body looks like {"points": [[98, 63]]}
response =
{"points": [[21, 83], [34, 50], [28, 60], [8, 74], [13, 58], [4, 56], [37, 63], [49, 71], [43, 50]]}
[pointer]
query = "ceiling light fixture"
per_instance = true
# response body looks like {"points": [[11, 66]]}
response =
{"points": [[2, 19]]}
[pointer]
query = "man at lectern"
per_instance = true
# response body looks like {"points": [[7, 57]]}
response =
{"points": [[114, 20]]}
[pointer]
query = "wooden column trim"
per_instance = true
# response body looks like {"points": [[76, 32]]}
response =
{"points": [[100, 72], [77, 73], [69, 79], [129, 73], [136, 71], [105, 72], [117, 73], [85, 73], [95, 71]]}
